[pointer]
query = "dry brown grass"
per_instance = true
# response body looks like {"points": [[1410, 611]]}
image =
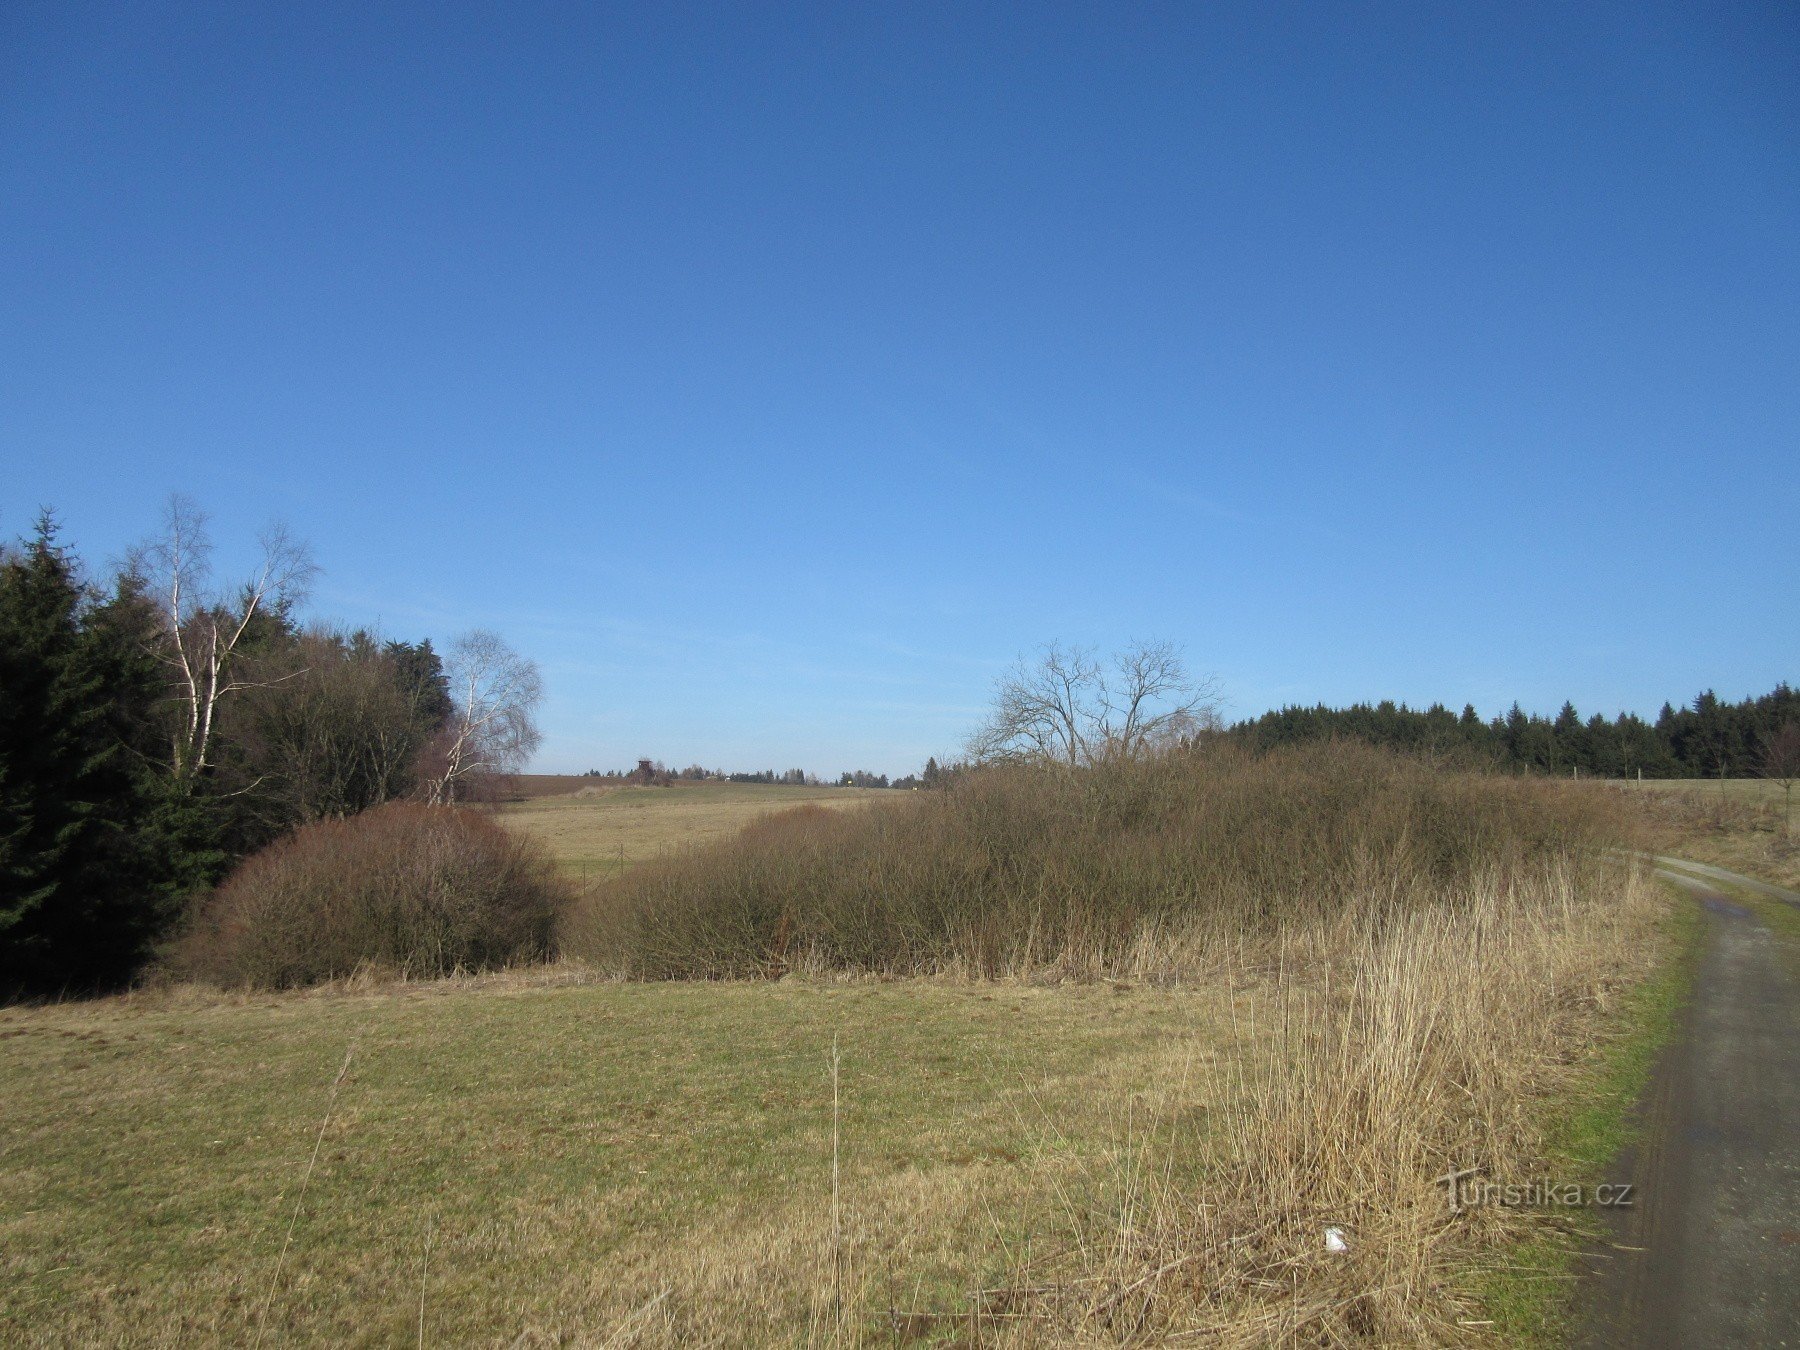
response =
{"points": [[531, 786], [1437, 1046], [1740, 824], [1364, 1063]]}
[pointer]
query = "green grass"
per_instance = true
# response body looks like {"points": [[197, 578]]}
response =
{"points": [[1531, 1299], [569, 1153]]}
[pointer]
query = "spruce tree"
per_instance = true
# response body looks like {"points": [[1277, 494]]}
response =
{"points": [[79, 899]]}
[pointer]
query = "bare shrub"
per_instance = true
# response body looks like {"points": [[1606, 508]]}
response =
{"points": [[420, 890], [1119, 868]]}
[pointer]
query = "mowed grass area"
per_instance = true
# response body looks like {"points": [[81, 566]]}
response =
{"points": [[598, 830], [584, 1161]]}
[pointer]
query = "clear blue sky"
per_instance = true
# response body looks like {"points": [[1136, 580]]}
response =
{"points": [[774, 375]]}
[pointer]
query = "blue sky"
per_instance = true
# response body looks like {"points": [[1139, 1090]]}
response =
{"points": [[774, 374]]}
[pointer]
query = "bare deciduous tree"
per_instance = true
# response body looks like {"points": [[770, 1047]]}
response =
{"points": [[1069, 707], [1781, 766], [340, 734], [1152, 703], [203, 633], [492, 728]]}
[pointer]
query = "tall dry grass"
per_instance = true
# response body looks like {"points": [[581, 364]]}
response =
{"points": [[1426, 1065], [1134, 869]]}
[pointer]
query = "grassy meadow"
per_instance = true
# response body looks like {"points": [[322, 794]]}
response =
{"points": [[1139, 1041]]}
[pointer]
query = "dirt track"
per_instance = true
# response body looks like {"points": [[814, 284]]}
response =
{"points": [[1709, 1254]]}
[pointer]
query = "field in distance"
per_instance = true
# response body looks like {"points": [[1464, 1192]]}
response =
{"points": [[1745, 824], [593, 827], [1749, 791]]}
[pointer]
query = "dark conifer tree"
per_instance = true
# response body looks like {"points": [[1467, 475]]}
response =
{"points": [[82, 891]]}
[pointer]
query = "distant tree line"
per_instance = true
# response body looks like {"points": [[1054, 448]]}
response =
{"points": [[791, 777], [653, 772], [1707, 738], [155, 728]]}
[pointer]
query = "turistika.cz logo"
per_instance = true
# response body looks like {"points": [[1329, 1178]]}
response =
{"points": [[1467, 1190]]}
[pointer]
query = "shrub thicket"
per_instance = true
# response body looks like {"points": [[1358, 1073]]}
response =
{"points": [[1113, 869], [420, 890]]}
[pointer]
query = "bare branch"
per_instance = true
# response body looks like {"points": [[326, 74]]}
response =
{"points": [[1067, 707], [1781, 766]]}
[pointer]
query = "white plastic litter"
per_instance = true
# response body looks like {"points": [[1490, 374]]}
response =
{"points": [[1334, 1240]]}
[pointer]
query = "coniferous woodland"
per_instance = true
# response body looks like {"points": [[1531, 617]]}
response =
{"points": [[1707, 738], [155, 730]]}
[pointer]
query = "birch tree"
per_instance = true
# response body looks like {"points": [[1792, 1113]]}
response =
{"points": [[493, 729], [202, 634]]}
